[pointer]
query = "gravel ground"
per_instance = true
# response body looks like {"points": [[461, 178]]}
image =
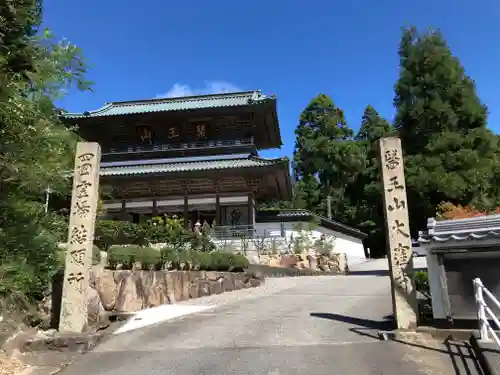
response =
{"points": [[10, 366]]}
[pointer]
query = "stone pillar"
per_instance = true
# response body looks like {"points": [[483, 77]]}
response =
{"points": [[399, 250], [78, 262]]}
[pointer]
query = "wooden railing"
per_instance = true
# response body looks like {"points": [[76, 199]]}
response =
{"points": [[179, 146]]}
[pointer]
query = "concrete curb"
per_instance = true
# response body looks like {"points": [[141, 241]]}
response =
{"points": [[487, 354]]}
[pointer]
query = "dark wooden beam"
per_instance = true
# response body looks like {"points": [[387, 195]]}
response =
{"points": [[217, 202]]}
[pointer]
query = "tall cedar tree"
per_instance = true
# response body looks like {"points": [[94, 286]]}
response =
{"points": [[326, 158], [450, 154], [366, 192], [35, 148]]}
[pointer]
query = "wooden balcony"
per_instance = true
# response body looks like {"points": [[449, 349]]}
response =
{"points": [[182, 148]]}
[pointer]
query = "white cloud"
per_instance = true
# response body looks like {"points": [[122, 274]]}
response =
{"points": [[210, 87]]}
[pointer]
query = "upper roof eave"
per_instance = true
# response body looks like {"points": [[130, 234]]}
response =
{"points": [[176, 167], [233, 99]]}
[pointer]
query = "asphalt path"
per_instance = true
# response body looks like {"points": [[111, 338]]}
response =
{"points": [[303, 325]]}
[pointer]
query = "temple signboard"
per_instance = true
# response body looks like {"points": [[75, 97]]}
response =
{"points": [[399, 251]]}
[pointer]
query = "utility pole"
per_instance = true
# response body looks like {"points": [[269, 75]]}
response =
{"points": [[329, 206], [48, 191], [328, 200]]}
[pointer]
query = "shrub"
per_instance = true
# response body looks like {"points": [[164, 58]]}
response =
{"points": [[220, 261], [422, 283], [112, 232], [166, 230], [124, 255], [29, 254], [150, 258], [96, 255], [156, 230], [240, 263], [202, 242], [204, 260], [449, 211], [226, 261], [170, 257], [198, 260]]}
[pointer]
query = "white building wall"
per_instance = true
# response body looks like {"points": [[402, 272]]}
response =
{"points": [[351, 246]]}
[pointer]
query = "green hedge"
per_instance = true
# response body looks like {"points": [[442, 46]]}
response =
{"points": [[172, 258], [422, 283], [96, 255]]}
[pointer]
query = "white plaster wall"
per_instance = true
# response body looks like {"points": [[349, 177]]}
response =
{"points": [[351, 246]]}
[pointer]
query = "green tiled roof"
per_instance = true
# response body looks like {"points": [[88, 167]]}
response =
{"points": [[175, 104], [188, 166]]}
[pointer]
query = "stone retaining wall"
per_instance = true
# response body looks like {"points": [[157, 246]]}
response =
{"points": [[334, 263], [128, 291]]}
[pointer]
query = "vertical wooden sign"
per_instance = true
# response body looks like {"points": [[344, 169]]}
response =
{"points": [[78, 262], [399, 242]]}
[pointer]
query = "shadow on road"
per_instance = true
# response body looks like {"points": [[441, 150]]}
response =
{"points": [[386, 325], [378, 272], [370, 273], [460, 353], [462, 358]]}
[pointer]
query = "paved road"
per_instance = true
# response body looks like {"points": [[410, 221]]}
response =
{"points": [[306, 325]]}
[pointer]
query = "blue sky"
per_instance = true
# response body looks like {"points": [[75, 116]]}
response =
{"points": [[294, 49]]}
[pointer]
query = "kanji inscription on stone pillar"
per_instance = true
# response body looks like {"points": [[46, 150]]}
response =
{"points": [[399, 251], [83, 212]]}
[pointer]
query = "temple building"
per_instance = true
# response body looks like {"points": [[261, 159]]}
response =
{"points": [[196, 157]]}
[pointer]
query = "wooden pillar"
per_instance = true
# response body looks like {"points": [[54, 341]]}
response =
{"points": [[252, 185], [186, 211], [217, 203], [250, 209], [217, 209], [155, 207], [123, 212], [399, 246], [185, 188]]}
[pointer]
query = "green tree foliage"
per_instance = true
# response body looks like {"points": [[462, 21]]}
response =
{"points": [[450, 154], [365, 193], [326, 157], [35, 148], [19, 20]]}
